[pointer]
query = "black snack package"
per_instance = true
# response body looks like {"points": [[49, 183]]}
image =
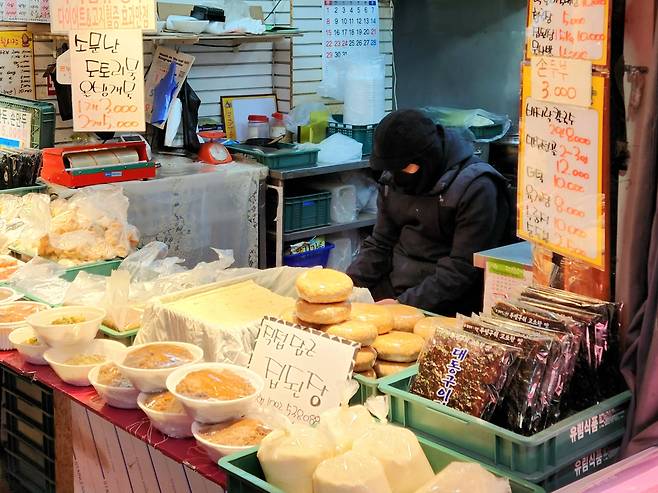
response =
{"points": [[464, 371]]}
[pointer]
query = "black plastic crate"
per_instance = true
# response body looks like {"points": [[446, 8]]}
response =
{"points": [[34, 456], [30, 390], [26, 477], [30, 412], [30, 434]]}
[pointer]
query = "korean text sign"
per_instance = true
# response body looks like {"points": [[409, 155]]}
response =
{"points": [[67, 15], [304, 370], [107, 73]]}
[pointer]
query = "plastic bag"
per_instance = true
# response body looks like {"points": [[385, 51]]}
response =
{"points": [[151, 262], [121, 314], [338, 149], [482, 372], [301, 115], [86, 289], [162, 95], [41, 278], [477, 124]]}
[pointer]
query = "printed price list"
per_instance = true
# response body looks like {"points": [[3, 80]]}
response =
{"points": [[560, 200], [25, 11]]}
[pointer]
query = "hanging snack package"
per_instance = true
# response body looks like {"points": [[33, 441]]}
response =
{"points": [[568, 335], [464, 371], [521, 405]]}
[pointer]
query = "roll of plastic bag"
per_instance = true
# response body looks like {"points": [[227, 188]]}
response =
{"points": [[364, 91]]}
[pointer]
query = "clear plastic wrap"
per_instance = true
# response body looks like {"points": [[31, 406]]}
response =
{"points": [[522, 404], [466, 477], [41, 278], [351, 471], [464, 371]]}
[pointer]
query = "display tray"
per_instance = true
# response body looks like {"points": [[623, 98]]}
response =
{"points": [[102, 268], [534, 458], [367, 388], [246, 476]]}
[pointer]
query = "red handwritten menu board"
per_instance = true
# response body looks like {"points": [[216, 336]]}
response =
{"points": [[108, 80], [24, 11], [569, 29], [68, 15], [560, 176]]}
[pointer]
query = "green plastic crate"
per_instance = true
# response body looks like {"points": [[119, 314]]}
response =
{"points": [[126, 337], [306, 211], [533, 458], [285, 157], [361, 133], [42, 116], [20, 191], [104, 268], [246, 476], [367, 388]]}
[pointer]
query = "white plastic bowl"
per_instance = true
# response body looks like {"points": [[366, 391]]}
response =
{"points": [[32, 353], [69, 334], [154, 380], [216, 451], [79, 374], [7, 295], [121, 397], [210, 411], [189, 26], [171, 424], [7, 328]]}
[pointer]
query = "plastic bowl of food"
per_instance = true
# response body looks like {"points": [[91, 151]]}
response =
{"points": [[13, 315], [113, 387], [147, 366], [166, 414], [215, 392], [25, 340], [8, 266], [73, 364], [237, 435], [67, 325], [7, 295]]}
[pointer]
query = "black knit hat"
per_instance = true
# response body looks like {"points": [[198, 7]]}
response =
{"points": [[402, 137]]}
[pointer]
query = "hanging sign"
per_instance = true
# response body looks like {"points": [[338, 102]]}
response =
{"points": [[305, 370], [561, 80], [16, 64], [569, 29], [24, 11], [107, 73], [63, 67], [560, 178], [350, 29], [67, 15]]}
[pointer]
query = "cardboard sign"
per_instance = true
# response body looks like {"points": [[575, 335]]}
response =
{"points": [[24, 11], [16, 64], [162, 59], [305, 370], [569, 29], [63, 68], [15, 128], [560, 178], [74, 15], [562, 80], [107, 80]]}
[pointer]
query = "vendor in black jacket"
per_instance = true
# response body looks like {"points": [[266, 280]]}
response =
{"points": [[438, 205]]}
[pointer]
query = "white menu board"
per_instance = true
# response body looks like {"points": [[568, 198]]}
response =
{"points": [[351, 28], [562, 80], [67, 15], [305, 370], [24, 11], [16, 64], [107, 80], [569, 29]]}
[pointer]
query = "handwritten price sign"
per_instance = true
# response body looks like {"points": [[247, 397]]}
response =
{"points": [[67, 15], [561, 80], [107, 75], [304, 370], [575, 29]]}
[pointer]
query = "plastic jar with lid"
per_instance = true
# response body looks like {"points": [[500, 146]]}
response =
{"points": [[277, 126], [258, 127]]}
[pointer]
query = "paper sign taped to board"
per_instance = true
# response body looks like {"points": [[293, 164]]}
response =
{"points": [[304, 370], [68, 15], [24, 11], [162, 59], [107, 74], [569, 29], [16, 64], [15, 128], [502, 280], [562, 80]]}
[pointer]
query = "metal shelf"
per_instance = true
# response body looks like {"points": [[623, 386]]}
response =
{"points": [[186, 38], [364, 220], [289, 174]]}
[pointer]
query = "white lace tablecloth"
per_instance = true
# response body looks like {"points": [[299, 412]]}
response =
{"points": [[203, 207]]}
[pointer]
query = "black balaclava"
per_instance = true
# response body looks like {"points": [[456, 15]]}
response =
{"points": [[405, 137]]}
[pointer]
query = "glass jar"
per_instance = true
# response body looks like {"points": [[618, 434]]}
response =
{"points": [[258, 127], [277, 126]]}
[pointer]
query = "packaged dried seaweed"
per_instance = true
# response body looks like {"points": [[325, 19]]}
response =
{"points": [[521, 405], [464, 371]]}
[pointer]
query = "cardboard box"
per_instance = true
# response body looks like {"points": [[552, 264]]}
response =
{"points": [[165, 9]]}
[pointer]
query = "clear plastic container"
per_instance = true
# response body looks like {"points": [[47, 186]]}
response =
{"points": [[277, 126], [258, 127]]}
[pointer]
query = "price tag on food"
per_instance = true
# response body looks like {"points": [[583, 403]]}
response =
{"points": [[107, 75], [68, 15], [15, 128], [569, 29], [561, 80], [305, 370]]}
